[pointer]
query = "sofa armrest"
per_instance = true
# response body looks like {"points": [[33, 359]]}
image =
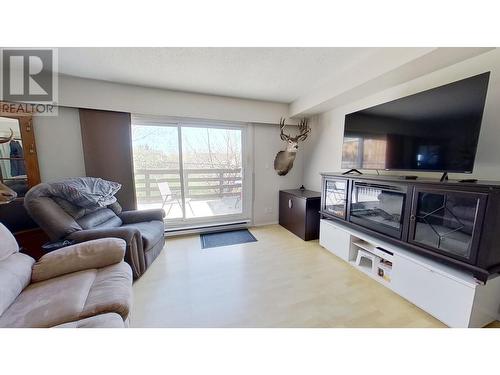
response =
{"points": [[86, 255], [134, 254], [126, 234], [136, 216]]}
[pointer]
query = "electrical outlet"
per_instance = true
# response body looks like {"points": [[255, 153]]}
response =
{"points": [[268, 210]]}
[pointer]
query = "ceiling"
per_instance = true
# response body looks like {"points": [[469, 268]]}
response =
{"points": [[310, 80], [271, 74]]}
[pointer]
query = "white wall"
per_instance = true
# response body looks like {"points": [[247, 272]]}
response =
{"points": [[88, 93], [59, 145], [267, 183], [324, 149]]}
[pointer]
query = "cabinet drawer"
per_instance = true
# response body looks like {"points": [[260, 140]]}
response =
{"points": [[335, 240], [283, 209], [446, 299]]}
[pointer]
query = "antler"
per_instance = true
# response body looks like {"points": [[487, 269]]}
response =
{"points": [[283, 136], [304, 130], [5, 140]]}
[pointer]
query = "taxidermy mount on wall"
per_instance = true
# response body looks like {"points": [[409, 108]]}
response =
{"points": [[284, 159]]}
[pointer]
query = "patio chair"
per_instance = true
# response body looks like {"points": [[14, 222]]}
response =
{"points": [[170, 198], [238, 183]]}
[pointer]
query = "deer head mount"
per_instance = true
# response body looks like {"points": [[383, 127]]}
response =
{"points": [[7, 194], [284, 159]]}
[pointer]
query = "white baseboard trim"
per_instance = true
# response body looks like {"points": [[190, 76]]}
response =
{"points": [[207, 229], [215, 228]]}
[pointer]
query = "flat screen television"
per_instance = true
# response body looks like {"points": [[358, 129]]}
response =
{"points": [[434, 130]]}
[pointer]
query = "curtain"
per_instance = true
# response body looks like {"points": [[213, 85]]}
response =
{"points": [[107, 150]]}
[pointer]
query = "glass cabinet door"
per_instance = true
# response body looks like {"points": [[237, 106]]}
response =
{"points": [[335, 192], [378, 207], [447, 221]]}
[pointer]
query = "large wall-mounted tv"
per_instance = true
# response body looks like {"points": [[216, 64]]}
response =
{"points": [[434, 130]]}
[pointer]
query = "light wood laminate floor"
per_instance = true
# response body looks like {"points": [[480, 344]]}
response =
{"points": [[279, 281]]}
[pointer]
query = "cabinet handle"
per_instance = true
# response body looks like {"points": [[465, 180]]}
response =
{"points": [[290, 203]]}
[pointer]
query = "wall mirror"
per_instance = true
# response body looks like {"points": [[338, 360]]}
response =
{"points": [[12, 162], [18, 160]]}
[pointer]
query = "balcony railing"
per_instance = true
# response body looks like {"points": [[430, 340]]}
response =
{"points": [[199, 184]]}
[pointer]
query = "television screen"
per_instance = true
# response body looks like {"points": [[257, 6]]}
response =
{"points": [[434, 130]]}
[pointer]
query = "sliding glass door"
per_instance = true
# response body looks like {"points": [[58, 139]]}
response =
{"points": [[157, 171], [194, 171]]}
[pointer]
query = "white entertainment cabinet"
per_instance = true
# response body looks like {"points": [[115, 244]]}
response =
{"points": [[452, 296]]}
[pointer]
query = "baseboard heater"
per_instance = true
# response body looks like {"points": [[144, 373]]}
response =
{"points": [[216, 227]]}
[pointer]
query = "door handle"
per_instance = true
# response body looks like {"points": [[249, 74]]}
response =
{"points": [[412, 217], [290, 203]]}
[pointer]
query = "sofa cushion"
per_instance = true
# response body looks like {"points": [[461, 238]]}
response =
{"points": [[74, 211], [101, 218], [8, 244], [51, 302], [151, 232], [15, 275], [110, 320]]}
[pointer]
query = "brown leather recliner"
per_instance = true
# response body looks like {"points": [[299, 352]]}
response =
{"points": [[143, 231]]}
